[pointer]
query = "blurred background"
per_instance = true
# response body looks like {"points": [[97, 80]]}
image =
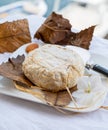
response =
{"points": [[81, 13]]}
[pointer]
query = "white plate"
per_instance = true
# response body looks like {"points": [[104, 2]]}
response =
{"points": [[7, 87]]}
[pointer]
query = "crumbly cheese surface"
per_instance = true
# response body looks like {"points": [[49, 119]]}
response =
{"points": [[53, 67]]}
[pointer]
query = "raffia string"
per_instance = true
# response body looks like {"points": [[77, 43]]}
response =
{"points": [[38, 94], [81, 108], [76, 105], [56, 107], [104, 107], [53, 28]]}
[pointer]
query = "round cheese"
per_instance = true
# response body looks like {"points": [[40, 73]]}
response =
{"points": [[53, 67]]}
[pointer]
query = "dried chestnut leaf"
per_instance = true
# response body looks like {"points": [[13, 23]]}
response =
{"points": [[61, 98], [13, 35], [13, 70], [81, 39], [54, 29], [57, 30]]}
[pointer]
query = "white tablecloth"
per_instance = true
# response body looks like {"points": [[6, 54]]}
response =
{"points": [[19, 114]]}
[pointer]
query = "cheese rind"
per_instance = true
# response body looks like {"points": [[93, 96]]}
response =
{"points": [[53, 67]]}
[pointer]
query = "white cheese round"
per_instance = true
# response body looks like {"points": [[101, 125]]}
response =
{"points": [[53, 67]]}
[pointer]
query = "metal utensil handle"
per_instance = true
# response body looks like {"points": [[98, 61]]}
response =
{"points": [[100, 69]]}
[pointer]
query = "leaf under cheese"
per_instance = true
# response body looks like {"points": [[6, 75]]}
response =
{"points": [[13, 70], [61, 98]]}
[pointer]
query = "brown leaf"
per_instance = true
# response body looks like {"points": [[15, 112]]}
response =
{"points": [[61, 98], [54, 29], [13, 70], [57, 30], [81, 39], [13, 35]]}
